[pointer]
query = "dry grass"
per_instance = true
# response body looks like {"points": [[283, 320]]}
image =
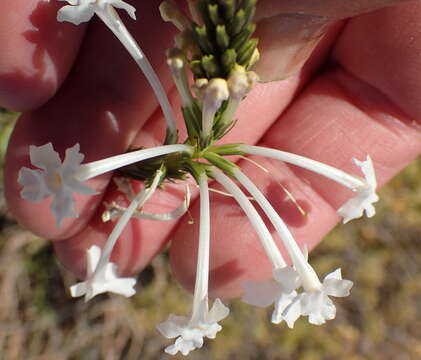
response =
{"points": [[380, 320]]}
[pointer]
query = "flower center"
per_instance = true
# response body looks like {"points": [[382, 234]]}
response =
{"points": [[55, 182]]}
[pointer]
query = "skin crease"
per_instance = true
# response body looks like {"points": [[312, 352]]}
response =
{"points": [[346, 102]]}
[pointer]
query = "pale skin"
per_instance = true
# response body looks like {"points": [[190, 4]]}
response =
{"points": [[359, 93]]}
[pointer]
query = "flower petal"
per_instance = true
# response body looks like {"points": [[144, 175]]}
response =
{"points": [[218, 312], [318, 307], [338, 288], [123, 5], [173, 326], [180, 345], [312, 302], [34, 188], [288, 277], [63, 206], [212, 330], [316, 319], [281, 304], [337, 274], [292, 312], [260, 293], [75, 186], [76, 14], [72, 160], [121, 286], [44, 157], [356, 206], [334, 285], [329, 310], [78, 289], [367, 169], [93, 255]]}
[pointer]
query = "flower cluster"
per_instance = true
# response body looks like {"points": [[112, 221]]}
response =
{"points": [[220, 51]]}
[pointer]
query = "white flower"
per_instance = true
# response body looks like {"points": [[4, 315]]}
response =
{"points": [[316, 304], [314, 300], [366, 196], [80, 11], [102, 280], [60, 180], [280, 291], [191, 331], [56, 179]]}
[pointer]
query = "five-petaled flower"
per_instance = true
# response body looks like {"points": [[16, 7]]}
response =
{"points": [[57, 179], [315, 303], [101, 280], [191, 331], [80, 11], [366, 196]]}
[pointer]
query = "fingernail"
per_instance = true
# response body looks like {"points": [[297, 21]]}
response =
{"points": [[286, 42]]}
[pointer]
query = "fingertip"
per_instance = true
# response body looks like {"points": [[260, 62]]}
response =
{"points": [[38, 217], [37, 52]]}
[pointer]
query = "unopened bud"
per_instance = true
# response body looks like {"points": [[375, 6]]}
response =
{"points": [[171, 13], [176, 61], [216, 92], [254, 58], [240, 82]]}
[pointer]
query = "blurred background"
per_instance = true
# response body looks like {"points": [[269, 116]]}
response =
{"points": [[380, 320]]}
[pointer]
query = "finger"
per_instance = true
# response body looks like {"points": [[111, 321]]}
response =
{"points": [[289, 30], [334, 9], [102, 105], [36, 52], [339, 116]]}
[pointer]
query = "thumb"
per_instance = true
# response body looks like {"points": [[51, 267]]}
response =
{"points": [[289, 30]]}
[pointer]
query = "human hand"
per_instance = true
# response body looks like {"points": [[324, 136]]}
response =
{"points": [[347, 102]]}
